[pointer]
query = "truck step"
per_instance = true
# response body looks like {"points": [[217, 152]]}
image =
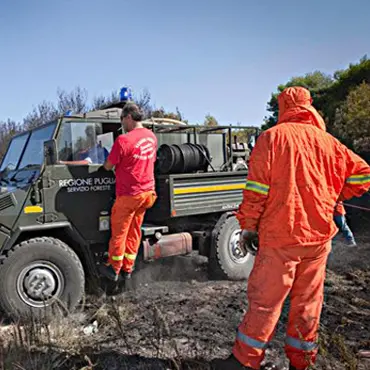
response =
{"points": [[149, 229]]}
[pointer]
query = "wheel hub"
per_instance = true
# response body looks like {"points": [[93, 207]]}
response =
{"points": [[40, 283], [236, 253]]}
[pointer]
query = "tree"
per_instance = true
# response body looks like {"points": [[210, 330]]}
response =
{"points": [[8, 129], [352, 121], [161, 113], [210, 121], [75, 100], [329, 95], [331, 98], [101, 101], [43, 113], [315, 81], [143, 101]]}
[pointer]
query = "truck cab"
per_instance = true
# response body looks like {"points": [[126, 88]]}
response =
{"points": [[56, 198]]}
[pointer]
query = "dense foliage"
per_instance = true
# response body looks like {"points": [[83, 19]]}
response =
{"points": [[343, 99]]}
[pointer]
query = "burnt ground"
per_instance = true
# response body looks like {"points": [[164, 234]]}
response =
{"points": [[175, 313]]}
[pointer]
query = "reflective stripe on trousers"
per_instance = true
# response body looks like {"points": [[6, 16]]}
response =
{"points": [[126, 221], [116, 258], [131, 257], [251, 342], [277, 272], [301, 345], [126, 255]]}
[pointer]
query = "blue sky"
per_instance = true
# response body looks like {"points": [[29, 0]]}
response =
{"points": [[204, 56]]}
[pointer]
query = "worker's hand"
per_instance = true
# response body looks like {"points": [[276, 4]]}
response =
{"points": [[248, 242], [102, 169]]}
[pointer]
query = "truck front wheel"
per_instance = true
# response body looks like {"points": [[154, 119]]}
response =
{"points": [[227, 261], [39, 276]]}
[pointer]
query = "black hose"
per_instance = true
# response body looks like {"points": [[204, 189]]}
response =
{"points": [[184, 158]]}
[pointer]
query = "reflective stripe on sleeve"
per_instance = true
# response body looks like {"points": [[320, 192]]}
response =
{"points": [[131, 257], [358, 179], [251, 342], [257, 187], [300, 344]]}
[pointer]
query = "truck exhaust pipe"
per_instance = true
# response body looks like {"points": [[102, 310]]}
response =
{"points": [[167, 246]]}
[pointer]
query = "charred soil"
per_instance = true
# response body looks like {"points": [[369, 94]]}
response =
{"points": [[176, 319]]}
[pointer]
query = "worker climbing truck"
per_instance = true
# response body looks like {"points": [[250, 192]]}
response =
{"points": [[55, 209]]}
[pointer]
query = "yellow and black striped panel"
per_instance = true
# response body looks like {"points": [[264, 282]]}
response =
{"points": [[208, 194]]}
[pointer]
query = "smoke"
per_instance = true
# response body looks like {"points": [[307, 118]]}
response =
{"points": [[170, 269]]}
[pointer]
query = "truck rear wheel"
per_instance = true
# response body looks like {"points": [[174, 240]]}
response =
{"points": [[40, 276], [227, 261]]}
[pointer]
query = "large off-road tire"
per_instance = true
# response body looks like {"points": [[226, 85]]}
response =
{"points": [[40, 277], [226, 261]]}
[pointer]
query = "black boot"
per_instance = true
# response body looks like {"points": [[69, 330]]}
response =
{"points": [[230, 363], [126, 276], [108, 272]]}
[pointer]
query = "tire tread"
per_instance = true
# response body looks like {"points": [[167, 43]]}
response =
{"points": [[54, 243], [216, 269]]}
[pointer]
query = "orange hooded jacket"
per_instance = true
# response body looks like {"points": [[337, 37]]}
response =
{"points": [[297, 174]]}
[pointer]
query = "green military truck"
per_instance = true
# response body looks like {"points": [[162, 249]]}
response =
{"points": [[54, 212]]}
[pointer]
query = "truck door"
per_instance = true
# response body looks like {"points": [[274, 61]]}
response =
{"points": [[77, 189]]}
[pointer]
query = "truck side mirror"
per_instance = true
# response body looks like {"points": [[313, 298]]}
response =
{"points": [[50, 152]]}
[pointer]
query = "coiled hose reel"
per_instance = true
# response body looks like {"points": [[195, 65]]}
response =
{"points": [[183, 158]]}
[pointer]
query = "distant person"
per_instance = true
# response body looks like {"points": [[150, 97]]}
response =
{"points": [[297, 174], [133, 156], [341, 222], [94, 153]]}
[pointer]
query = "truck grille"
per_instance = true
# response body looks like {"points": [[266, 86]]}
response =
{"points": [[6, 201]]}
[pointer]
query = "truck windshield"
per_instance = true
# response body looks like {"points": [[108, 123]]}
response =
{"points": [[34, 154], [18, 167], [12, 156]]}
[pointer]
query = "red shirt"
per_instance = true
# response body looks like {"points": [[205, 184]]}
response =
{"points": [[133, 155]]}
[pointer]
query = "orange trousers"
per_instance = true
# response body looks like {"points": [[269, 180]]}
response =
{"points": [[300, 272], [126, 220]]}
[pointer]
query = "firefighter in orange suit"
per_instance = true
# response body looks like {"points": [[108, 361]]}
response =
{"points": [[133, 155], [297, 174]]}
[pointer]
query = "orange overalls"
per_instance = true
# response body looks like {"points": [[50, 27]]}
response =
{"points": [[126, 220], [297, 174]]}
